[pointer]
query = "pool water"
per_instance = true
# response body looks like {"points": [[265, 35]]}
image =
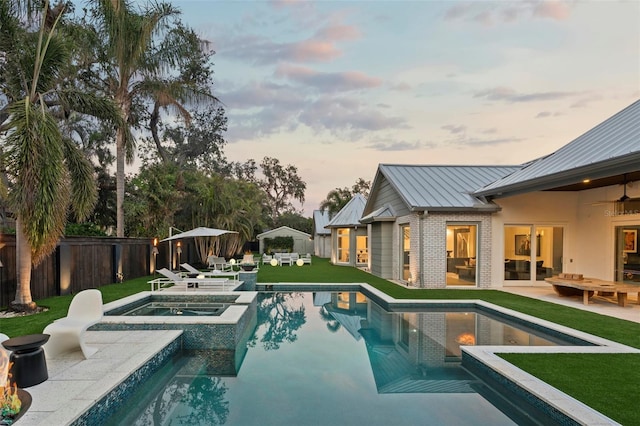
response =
{"points": [[177, 308], [338, 359]]}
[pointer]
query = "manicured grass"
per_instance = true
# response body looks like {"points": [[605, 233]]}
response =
{"points": [[58, 307], [607, 383]]}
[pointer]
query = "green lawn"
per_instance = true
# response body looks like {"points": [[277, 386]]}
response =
{"points": [[587, 377]]}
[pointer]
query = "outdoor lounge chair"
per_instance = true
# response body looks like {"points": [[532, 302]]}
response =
{"points": [[191, 271], [66, 334], [185, 283]]}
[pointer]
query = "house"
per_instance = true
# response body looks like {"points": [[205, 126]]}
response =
{"points": [[301, 240], [424, 222], [489, 226], [349, 238], [321, 235]]}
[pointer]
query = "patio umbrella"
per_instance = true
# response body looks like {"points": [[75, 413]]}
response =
{"points": [[200, 232]]}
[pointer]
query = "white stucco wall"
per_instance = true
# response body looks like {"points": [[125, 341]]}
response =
{"points": [[589, 235]]}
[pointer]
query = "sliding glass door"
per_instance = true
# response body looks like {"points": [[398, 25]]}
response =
{"points": [[532, 252]]}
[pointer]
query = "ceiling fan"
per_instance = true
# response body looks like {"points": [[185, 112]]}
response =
{"points": [[623, 199]]}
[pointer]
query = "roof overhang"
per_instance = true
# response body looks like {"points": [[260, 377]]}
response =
{"points": [[603, 173]]}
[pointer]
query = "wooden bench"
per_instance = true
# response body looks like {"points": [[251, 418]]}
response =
{"points": [[588, 286]]}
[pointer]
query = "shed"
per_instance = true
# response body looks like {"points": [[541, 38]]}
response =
{"points": [[302, 242]]}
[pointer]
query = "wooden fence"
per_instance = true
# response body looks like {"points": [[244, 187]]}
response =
{"points": [[78, 263]]}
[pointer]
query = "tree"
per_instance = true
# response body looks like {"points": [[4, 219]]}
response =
{"points": [[164, 195], [281, 185], [339, 197], [295, 221], [132, 59], [199, 145], [48, 176]]}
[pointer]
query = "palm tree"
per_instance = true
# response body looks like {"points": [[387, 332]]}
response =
{"points": [[47, 175], [134, 64], [336, 199]]}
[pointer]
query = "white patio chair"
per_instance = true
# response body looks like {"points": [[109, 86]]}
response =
{"points": [[66, 334], [266, 258], [285, 259], [306, 259]]}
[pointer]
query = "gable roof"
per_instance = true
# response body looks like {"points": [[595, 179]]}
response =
{"points": [[290, 231], [610, 148], [350, 214], [441, 187], [320, 220], [383, 214]]}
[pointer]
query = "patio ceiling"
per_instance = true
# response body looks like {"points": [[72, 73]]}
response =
{"points": [[617, 179]]}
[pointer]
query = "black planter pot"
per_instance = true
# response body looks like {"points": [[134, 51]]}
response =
{"points": [[248, 267]]}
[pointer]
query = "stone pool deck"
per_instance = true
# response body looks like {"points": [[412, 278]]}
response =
{"points": [[75, 384]]}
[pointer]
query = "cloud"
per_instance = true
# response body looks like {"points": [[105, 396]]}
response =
{"points": [[455, 129], [510, 95], [547, 114], [328, 81], [465, 142], [488, 13], [555, 10], [585, 101], [321, 46], [347, 117], [338, 32], [400, 87], [399, 145], [263, 108], [263, 51]]}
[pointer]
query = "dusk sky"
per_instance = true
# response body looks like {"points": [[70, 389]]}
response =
{"points": [[337, 87]]}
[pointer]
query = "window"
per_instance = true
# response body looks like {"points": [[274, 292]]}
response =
{"points": [[521, 251], [361, 249], [462, 247], [405, 246], [343, 245]]}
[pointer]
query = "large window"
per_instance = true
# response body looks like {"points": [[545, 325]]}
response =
{"points": [[361, 249], [405, 245], [462, 249], [343, 245], [627, 267], [532, 253]]}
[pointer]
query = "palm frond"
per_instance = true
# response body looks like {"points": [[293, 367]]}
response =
{"points": [[84, 192], [40, 196]]}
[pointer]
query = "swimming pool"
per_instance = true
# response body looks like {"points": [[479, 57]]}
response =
{"points": [[339, 358]]}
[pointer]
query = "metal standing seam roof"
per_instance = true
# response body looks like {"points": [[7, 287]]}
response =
{"points": [[350, 214], [442, 186], [320, 220], [616, 138], [384, 213], [285, 228]]}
